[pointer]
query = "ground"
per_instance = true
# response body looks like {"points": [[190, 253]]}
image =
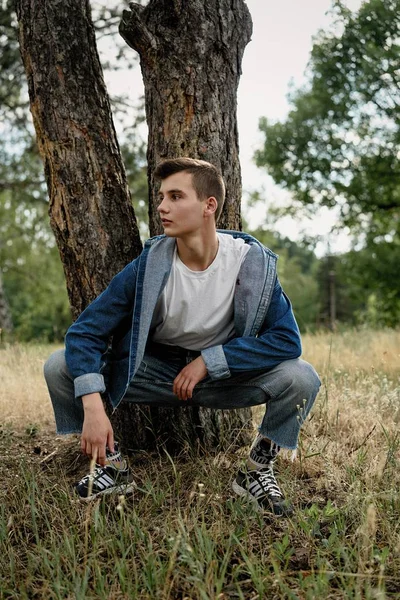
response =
{"points": [[184, 533]]}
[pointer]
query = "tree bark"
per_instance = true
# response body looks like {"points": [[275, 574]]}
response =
{"points": [[190, 55], [90, 207]]}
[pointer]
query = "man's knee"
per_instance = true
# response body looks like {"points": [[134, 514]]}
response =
{"points": [[55, 366], [302, 376]]}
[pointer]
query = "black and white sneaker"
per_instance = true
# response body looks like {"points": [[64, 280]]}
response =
{"points": [[263, 490], [114, 477], [263, 452]]}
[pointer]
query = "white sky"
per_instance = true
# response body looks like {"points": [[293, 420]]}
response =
{"points": [[277, 54]]}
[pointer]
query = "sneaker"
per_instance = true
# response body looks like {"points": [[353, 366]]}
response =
{"points": [[263, 452], [115, 476], [263, 490]]}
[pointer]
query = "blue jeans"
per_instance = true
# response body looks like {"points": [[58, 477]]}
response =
{"points": [[288, 391]]}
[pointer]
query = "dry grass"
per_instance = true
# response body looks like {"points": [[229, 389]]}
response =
{"points": [[355, 352], [176, 539], [363, 362], [23, 392]]}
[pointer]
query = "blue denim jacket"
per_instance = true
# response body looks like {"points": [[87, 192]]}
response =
{"points": [[266, 330]]}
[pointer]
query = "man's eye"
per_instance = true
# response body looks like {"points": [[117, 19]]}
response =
{"points": [[175, 196]]}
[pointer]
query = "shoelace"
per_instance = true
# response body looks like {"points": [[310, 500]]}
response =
{"points": [[269, 484]]}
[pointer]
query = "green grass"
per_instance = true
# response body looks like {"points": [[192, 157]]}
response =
{"points": [[184, 534], [168, 543]]}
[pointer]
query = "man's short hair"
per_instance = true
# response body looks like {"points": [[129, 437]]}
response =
{"points": [[207, 179]]}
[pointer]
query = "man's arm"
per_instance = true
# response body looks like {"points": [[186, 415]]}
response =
{"points": [[86, 342], [88, 338], [278, 340]]}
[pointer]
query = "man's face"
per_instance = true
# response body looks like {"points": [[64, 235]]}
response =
{"points": [[181, 212]]}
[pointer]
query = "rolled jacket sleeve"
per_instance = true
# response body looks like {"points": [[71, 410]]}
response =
{"points": [[89, 384]]}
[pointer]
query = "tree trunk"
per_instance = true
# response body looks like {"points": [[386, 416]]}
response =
{"points": [[90, 207], [190, 55], [5, 313]]}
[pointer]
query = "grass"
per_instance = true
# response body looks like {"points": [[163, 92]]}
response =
{"points": [[184, 534]]}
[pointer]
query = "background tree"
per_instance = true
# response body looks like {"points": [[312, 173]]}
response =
{"points": [[6, 324], [339, 144]]}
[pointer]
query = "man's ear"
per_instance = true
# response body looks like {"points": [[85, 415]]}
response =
{"points": [[211, 206]]}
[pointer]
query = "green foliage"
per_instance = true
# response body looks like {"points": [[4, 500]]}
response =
{"points": [[337, 285], [339, 148], [32, 272], [339, 143], [297, 267], [133, 151], [373, 273], [13, 103]]}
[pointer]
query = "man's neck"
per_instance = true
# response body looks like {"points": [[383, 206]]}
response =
{"points": [[198, 252]]}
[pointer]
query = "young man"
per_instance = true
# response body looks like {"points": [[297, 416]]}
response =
{"points": [[198, 318]]}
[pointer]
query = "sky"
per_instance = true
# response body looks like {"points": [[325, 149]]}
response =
{"points": [[276, 56]]}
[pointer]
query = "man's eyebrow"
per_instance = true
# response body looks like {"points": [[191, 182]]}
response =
{"points": [[176, 191]]}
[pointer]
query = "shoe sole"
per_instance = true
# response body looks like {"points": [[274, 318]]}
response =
{"points": [[125, 488], [238, 489]]}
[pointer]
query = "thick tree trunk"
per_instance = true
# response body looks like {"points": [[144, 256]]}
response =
{"points": [[90, 208], [190, 54]]}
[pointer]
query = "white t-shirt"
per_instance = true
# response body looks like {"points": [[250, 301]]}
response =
{"points": [[195, 309]]}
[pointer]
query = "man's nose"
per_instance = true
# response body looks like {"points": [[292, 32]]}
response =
{"points": [[162, 207]]}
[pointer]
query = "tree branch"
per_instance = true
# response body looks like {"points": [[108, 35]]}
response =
{"points": [[135, 32]]}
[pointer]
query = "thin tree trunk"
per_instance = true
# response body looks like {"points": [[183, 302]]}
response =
{"points": [[5, 313], [90, 207]]}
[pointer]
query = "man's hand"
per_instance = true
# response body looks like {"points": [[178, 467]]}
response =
{"points": [[189, 377], [97, 431]]}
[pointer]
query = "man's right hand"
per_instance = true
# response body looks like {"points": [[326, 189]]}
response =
{"points": [[97, 432]]}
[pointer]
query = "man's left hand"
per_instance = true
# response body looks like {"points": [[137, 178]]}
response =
{"points": [[189, 377]]}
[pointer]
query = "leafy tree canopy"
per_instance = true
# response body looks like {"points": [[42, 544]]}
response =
{"points": [[340, 142]]}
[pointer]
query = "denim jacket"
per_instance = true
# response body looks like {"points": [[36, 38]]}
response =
{"points": [[265, 327]]}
